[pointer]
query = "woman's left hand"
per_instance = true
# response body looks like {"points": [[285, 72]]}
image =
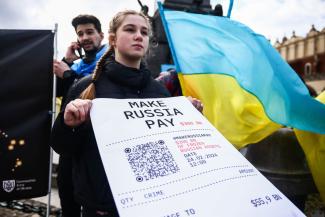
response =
{"points": [[196, 103]]}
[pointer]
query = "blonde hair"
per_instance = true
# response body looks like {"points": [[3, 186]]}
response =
{"points": [[115, 23]]}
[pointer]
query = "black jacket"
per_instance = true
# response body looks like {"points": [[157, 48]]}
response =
{"points": [[116, 81]]}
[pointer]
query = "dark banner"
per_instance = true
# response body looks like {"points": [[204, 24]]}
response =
{"points": [[26, 58]]}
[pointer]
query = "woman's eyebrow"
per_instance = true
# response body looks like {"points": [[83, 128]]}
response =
{"points": [[129, 25], [133, 25]]}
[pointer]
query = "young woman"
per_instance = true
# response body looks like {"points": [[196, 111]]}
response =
{"points": [[118, 74]]}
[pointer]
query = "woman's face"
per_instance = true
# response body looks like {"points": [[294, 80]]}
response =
{"points": [[132, 38]]}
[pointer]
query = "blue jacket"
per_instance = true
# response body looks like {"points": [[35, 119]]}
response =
{"points": [[82, 69]]}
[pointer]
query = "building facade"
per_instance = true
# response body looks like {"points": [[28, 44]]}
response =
{"points": [[306, 55]]}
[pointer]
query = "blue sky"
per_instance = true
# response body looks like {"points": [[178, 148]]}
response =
{"points": [[272, 18]]}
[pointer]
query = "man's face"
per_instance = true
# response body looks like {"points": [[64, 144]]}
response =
{"points": [[90, 39]]}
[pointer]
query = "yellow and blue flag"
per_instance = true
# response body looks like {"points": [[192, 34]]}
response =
{"points": [[247, 89]]}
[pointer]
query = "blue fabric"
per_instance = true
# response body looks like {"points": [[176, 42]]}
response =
{"points": [[219, 45], [83, 69]]}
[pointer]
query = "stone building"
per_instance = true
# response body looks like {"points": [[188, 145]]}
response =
{"points": [[306, 55]]}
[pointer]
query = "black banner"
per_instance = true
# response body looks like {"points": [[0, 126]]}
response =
{"points": [[26, 58]]}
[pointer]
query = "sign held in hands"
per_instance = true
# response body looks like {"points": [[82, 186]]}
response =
{"points": [[163, 158]]}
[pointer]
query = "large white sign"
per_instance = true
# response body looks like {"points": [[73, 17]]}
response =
{"points": [[164, 159]]}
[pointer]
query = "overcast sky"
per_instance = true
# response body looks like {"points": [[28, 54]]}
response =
{"points": [[272, 18]]}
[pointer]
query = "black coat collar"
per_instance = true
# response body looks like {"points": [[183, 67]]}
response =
{"points": [[126, 76]]}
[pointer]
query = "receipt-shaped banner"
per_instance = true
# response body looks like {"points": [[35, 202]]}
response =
{"points": [[163, 158]]}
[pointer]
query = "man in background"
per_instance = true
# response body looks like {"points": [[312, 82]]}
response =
{"points": [[72, 67]]}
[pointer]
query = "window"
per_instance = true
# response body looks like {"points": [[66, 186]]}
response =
{"points": [[307, 69]]}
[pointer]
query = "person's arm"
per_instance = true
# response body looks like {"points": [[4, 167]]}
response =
{"points": [[65, 75], [63, 138], [69, 127], [62, 69]]}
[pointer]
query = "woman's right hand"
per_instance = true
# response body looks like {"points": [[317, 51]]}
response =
{"points": [[77, 112]]}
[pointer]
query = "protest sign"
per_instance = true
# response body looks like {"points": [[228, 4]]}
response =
{"points": [[163, 158]]}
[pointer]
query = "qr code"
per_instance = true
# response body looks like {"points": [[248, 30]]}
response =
{"points": [[151, 160]]}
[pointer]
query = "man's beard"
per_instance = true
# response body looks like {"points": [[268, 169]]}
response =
{"points": [[90, 55], [92, 51]]}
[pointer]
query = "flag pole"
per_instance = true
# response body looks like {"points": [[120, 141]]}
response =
{"points": [[53, 112], [231, 3]]}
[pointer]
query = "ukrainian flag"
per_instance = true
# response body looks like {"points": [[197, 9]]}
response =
{"points": [[247, 89]]}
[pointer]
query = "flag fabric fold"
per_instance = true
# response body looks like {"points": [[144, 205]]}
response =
{"points": [[236, 113], [313, 145]]}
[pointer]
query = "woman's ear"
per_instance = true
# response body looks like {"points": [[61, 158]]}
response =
{"points": [[112, 39]]}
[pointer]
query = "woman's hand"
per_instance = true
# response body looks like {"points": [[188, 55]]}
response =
{"points": [[196, 103], [77, 112]]}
